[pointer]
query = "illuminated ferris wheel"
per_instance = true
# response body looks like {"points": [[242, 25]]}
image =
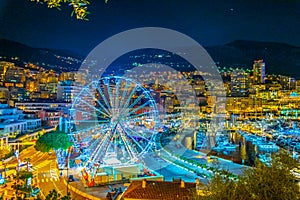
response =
{"points": [[116, 119]]}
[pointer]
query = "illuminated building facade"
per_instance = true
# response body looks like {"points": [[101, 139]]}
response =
{"points": [[50, 117], [3, 68], [239, 83], [259, 72], [12, 121], [66, 90], [298, 85], [44, 105]]}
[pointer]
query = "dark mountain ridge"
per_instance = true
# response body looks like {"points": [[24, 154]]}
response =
{"points": [[58, 60], [279, 58]]}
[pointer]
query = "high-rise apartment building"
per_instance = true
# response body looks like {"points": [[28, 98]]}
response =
{"points": [[259, 72], [239, 83], [66, 91]]}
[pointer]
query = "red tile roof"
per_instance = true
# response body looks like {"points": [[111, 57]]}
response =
{"points": [[160, 190]]}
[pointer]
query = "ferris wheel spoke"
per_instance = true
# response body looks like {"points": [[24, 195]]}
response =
{"points": [[101, 145], [136, 142], [102, 138], [128, 100], [143, 139], [124, 93], [104, 99], [111, 142], [117, 95], [136, 109], [137, 100], [141, 135], [127, 149], [94, 108], [128, 146], [111, 99], [88, 113], [98, 102], [96, 152], [96, 141]]}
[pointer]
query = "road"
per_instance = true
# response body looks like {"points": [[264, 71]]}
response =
{"points": [[45, 174]]}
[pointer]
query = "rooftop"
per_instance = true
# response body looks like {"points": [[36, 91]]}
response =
{"points": [[160, 190]]}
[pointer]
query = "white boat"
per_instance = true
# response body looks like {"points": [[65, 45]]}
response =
{"points": [[229, 146], [268, 146], [224, 146], [218, 149], [265, 158]]}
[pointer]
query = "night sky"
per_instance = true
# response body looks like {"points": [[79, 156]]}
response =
{"points": [[213, 22]]}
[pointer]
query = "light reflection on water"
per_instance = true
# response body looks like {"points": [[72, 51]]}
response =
{"points": [[245, 153]]}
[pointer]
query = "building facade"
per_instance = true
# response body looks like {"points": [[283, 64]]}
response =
{"points": [[239, 83], [259, 72], [12, 121]]}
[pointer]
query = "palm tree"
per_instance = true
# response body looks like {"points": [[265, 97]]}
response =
{"points": [[27, 160]]}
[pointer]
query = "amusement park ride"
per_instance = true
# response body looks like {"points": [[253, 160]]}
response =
{"points": [[113, 122]]}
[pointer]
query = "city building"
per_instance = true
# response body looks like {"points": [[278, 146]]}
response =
{"points": [[284, 82], [14, 77], [167, 100], [18, 94], [239, 83], [13, 122], [3, 141], [3, 69], [50, 117], [79, 77], [44, 105], [4, 94], [290, 105], [259, 72], [292, 83], [298, 85], [66, 90]]}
